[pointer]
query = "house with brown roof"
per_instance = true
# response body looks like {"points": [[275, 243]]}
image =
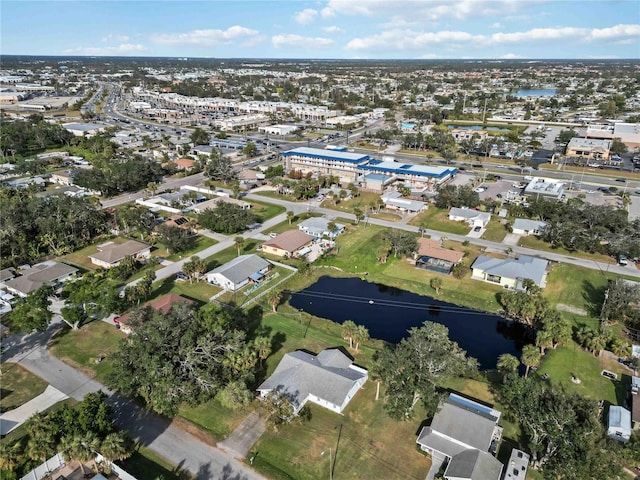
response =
{"points": [[179, 221], [184, 163], [287, 244], [111, 254], [162, 304], [431, 256]]}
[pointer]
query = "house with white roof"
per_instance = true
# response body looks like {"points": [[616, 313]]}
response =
{"points": [[523, 226], [619, 425], [395, 201], [474, 218], [318, 227], [329, 379], [510, 272]]}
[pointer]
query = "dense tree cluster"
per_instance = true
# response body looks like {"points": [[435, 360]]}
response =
{"points": [[227, 218], [562, 431], [27, 137], [219, 168], [77, 432], [413, 369], [590, 228], [121, 175], [457, 196], [184, 356], [622, 303], [32, 227]]}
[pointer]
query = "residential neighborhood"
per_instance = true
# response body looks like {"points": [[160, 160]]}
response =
{"points": [[284, 268]]}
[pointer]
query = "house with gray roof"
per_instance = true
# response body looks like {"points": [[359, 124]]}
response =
{"points": [[472, 217], [318, 227], [238, 272], [47, 273], [510, 272], [524, 226], [462, 434], [110, 254], [329, 379]]}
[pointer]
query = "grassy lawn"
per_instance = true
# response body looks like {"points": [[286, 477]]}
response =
{"points": [[284, 226], [274, 194], [579, 287], [80, 348], [538, 244], [365, 443], [230, 253], [202, 242], [240, 297], [145, 463], [198, 291], [495, 232], [362, 202], [265, 210], [19, 386], [391, 217], [438, 219], [563, 362], [214, 418]]}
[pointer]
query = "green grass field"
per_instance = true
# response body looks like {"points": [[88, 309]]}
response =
{"points": [[145, 463], [265, 210], [17, 386], [538, 244], [495, 231], [438, 219], [214, 418], [81, 348], [362, 201]]}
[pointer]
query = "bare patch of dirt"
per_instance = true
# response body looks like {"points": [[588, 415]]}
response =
{"points": [[191, 429], [570, 309]]}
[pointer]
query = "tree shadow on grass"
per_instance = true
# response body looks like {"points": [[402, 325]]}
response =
{"points": [[594, 297]]}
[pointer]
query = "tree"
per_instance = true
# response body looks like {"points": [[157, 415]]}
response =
{"points": [[33, 312], [332, 227], [10, 456], [194, 268], [274, 298], [277, 409], [73, 315], [349, 329], [116, 446], [402, 243], [41, 446], [290, 216], [617, 147], [507, 365], [227, 218], [404, 190], [219, 167], [176, 239], [412, 369], [357, 212], [530, 357], [436, 284], [250, 150], [544, 340], [235, 395], [199, 137], [178, 356], [239, 243], [361, 335], [262, 346]]}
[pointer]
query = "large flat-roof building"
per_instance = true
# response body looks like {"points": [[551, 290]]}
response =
{"points": [[362, 169], [628, 133], [590, 148], [547, 188]]}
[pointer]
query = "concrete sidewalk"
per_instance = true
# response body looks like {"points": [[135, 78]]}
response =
{"points": [[16, 417]]}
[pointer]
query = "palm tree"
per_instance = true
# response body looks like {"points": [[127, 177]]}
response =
{"points": [[274, 299], [239, 242], [116, 446], [424, 224], [331, 226], [41, 446], [507, 364], [544, 340], [530, 357], [290, 216], [85, 448], [349, 331], [10, 456], [361, 335], [263, 347], [358, 214], [436, 284]]}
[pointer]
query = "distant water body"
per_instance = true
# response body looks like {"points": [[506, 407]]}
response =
{"points": [[540, 92], [388, 313]]}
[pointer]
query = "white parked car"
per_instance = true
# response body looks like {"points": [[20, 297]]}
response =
{"points": [[479, 189]]}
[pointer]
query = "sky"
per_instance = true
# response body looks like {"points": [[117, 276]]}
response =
{"points": [[332, 29]]}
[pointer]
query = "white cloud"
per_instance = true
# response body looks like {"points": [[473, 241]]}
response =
{"points": [[292, 40], [510, 56], [119, 50], [429, 56], [207, 38], [306, 16], [407, 39], [332, 29], [495, 25], [117, 38], [420, 10], [327, 12]]}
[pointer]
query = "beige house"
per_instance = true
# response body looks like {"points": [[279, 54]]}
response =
{"points": [[590, 148], [287, 244], [111, 254]]}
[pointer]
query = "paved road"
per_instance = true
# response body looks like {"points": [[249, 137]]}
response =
{"points": [[151, 430], [496, 246]]}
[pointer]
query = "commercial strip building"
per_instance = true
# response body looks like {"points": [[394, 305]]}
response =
{"points": [[628, 133], [588, 148], [547, 188], [365, 171]]}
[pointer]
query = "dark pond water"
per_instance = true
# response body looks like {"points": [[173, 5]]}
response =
{"points": [[389, 313]]}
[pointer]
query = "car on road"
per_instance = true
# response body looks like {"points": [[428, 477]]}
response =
{"points": [[621, 180], [622, 260], [273, 235]]}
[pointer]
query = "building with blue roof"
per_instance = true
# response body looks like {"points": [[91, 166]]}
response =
{"points": [[365, 171]]}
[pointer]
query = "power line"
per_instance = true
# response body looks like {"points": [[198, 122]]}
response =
{"points": [[390, 303]]}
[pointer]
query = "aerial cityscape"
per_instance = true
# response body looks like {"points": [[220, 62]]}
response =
{"points": [[363, 239]]}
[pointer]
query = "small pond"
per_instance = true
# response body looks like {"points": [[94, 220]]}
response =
{"points": [[389, 313], [536, 92]]}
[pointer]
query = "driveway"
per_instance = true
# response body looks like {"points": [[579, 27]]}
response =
{"points": [[511, 239], [244, 436], [16, 417], [474, 234]]}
